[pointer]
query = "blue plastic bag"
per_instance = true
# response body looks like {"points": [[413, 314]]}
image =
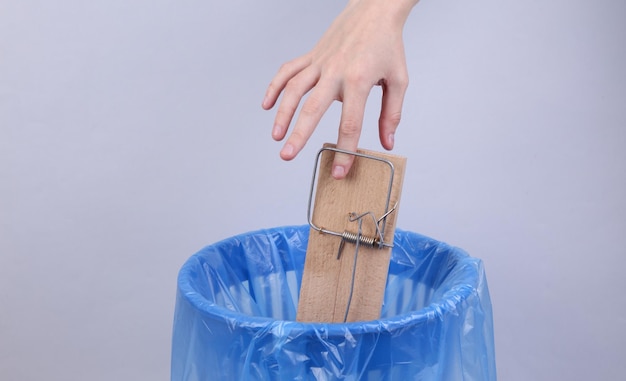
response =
{"points": [[236, 306]]}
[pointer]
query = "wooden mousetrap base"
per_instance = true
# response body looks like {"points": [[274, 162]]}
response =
{"points": [[351, 287]]}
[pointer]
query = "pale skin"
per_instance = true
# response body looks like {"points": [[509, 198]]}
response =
{"points": [[362, 48]]}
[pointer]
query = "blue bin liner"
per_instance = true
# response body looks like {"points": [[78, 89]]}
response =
{"points": [[236, 306]]}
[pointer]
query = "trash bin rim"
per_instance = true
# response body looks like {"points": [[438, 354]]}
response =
{"points": [[435, 310]]}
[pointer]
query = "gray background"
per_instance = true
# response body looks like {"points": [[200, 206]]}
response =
{"points": [[131, 135]]}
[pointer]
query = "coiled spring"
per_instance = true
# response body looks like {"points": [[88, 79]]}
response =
{"points": [[365, 240]]}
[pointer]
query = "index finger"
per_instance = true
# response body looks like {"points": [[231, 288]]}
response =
{"points": [[322, 95]]}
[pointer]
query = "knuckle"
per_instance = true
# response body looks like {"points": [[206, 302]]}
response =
{"points": [[404, 83], [273, 88], [355, 79], [286, 67], [311, 107], [292, 85], [350, 128], [296, 85], [297, 138], [283, 115], [403, 80], [393, 118]]}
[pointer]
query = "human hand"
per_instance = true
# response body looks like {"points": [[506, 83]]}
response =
{"points": [[361, 49]]}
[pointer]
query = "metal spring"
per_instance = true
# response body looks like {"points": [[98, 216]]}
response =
{"points": [[358, 239], [364, 240]]}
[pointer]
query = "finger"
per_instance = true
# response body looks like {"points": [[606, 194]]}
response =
{"points": [[390, 112], [287, 71], [295, 89], [349, 130], [312, 111]]}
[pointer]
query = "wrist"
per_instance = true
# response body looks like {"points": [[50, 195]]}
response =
{"points": [[397, 11]]}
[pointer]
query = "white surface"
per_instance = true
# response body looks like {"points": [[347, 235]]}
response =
{"points": [[131, 135]]}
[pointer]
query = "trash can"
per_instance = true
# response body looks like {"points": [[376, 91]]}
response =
{"points": [[236, 306]]}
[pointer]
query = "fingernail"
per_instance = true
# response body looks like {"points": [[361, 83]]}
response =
{"points": [[338, 171], [390, 139]]}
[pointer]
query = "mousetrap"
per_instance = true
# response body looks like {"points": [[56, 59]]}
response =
{"points": [[352, 223]]}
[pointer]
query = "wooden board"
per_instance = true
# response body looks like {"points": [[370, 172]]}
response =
{"points": [[326, 281]]}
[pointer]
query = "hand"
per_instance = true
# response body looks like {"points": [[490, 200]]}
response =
{"points": [[361, 49]]}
